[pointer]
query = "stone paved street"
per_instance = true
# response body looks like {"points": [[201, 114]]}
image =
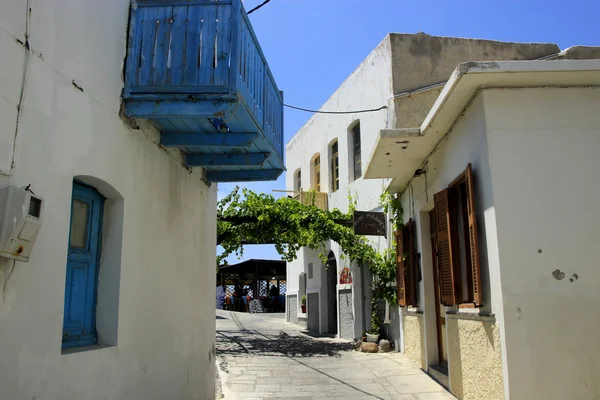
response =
{"points": [[261, 356]]}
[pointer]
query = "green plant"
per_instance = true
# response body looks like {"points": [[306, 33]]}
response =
{"points": [[393, 203], [303, 300], [248, 217]]}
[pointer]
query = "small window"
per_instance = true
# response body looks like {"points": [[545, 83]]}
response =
{"points": [[356, 151], [298, 180], [79, 322], [310, 270], [316, 173], [335, 167], [457, 242]]}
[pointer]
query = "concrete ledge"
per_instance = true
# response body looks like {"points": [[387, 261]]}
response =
{"points": [[413, 313], [471, 316]]}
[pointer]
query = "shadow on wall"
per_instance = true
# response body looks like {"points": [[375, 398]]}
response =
{"points": [[282, 344], [422, 338], [391, 330]]}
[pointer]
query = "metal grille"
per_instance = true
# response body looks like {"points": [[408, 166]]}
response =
{"points": [[263, 291], [282, 287], [245, 280]]}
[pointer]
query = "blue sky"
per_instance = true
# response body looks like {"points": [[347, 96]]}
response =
{"points": [[312, 46]]}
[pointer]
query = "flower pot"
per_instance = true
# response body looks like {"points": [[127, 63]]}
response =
{"points": [[372, 338], [303, 307]]}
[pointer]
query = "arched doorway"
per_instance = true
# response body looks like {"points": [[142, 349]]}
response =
{"points": [[301, 291], [332, 294]]}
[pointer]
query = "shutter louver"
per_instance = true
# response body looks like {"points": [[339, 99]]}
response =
{"points": [[400, 288], [445, 260], [410, 266], [473, 240]]}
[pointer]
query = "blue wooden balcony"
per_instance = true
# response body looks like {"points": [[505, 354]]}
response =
{"points": [[195, 69]]}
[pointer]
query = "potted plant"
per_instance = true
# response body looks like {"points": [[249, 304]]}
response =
{"points": [[373, 333], [303, 304]]}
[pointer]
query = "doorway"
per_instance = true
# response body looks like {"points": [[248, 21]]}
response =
{"points": [[440, 312], [332, 294]]}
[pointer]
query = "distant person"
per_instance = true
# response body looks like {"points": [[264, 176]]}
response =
{"points": [[220, 296], [246, 298], [273, 293], [238, 293]]}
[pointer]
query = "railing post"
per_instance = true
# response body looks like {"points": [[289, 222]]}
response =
{"points": [[236, 45], [280, 137]]}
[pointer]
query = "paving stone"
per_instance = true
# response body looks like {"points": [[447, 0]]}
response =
{"points": [[435, 396], [260, 366], [241, 387]]}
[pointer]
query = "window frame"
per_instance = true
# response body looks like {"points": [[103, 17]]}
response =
{"points": [[406, 265], [298, 180], [335, 165], [316, 172], [456, 205], [356, 151]]}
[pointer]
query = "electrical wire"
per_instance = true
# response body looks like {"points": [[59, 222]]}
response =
{"points": [[336, 112], [27, 47], [426, 190], [257, 7]]}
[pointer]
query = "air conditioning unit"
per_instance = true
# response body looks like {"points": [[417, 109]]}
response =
{"points": [[20, 221]]}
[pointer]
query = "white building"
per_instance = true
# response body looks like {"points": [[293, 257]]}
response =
{"points": [[499, 136], [117, 297], [515, 320]]}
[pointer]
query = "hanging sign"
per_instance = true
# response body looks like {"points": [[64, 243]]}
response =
{"points": [[369, 223]]}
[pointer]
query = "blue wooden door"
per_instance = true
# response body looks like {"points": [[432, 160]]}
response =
{"points": [[79, 325]]}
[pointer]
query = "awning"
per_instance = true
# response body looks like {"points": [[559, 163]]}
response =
{"points": [[398, 153]]}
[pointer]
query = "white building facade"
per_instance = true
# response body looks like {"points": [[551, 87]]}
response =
{"points": [[496, 300], [387, 77], [117, 298], [463, 320]]}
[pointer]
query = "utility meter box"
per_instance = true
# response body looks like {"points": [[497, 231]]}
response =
{"points": [[20, 221]]}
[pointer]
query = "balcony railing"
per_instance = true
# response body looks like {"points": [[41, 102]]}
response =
{"points": [[318, 199], [195, 69]]}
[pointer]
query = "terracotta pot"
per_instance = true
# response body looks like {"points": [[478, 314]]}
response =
{"points": [[303, 307]]}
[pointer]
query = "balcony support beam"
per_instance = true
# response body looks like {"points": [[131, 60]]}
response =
{"points": [[222, 160], [243, 176], [230, 140]]}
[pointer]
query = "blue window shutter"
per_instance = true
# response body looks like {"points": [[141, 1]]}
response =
{"points": [[79, 323]]}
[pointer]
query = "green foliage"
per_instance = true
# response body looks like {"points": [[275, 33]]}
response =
{"points": [[287, 223], [248, 217], [303, 300], [389, 202]]}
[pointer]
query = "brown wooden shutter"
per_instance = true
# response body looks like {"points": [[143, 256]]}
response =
{"points": [[444, 245], [400, 290], [473, 241], [410, 266]]}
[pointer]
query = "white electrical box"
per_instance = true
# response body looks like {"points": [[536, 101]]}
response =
{"points": [[20, 221]]}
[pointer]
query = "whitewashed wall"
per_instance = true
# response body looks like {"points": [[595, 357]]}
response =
{"points": [[368, 87], [543, 146], [467, 143], [160, 278]]}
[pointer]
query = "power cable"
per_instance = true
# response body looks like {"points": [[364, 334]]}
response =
{"points": [[336, 112], [257, 7]]}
